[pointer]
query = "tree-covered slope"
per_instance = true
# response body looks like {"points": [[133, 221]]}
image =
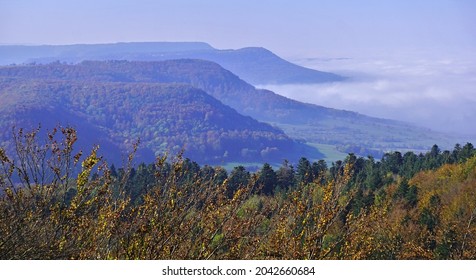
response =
{"points": [[165, 117], [349, 131]]}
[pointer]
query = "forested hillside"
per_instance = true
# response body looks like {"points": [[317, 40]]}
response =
{"points": [[349, 131], [164, 117], [405, 206]]}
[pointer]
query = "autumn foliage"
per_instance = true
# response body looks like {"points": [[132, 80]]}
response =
{"points": [[58, 203]]}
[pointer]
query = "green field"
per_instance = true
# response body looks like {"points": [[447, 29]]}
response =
{"points": [[331, 154]]}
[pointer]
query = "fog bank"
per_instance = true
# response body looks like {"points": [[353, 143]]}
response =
{"points": [[431, 90]]}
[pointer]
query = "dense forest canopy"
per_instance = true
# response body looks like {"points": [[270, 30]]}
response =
{"points": [[164, 117]]}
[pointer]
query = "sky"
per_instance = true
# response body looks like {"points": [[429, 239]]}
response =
{"points": [[287, 27], [411, 60]]}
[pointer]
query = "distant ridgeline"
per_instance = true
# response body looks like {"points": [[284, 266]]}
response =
{"points": [[254, 65]]}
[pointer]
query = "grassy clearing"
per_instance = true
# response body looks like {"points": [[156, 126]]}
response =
{"points": [[331, 154]]}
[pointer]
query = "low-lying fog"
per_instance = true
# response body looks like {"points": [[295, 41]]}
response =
{"points": [[435, 91]]}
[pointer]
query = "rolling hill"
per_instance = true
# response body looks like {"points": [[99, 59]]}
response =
{"points": [[315, 125], [165, 117], [208, 76]]}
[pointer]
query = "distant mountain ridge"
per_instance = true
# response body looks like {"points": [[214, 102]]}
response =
{"points": [[254, 65]]}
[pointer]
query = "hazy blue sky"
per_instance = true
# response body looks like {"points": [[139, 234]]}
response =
{"points": [[288, 27], [412, 60]]}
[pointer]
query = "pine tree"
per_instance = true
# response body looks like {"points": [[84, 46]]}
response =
{"points": [[267, 179]]}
